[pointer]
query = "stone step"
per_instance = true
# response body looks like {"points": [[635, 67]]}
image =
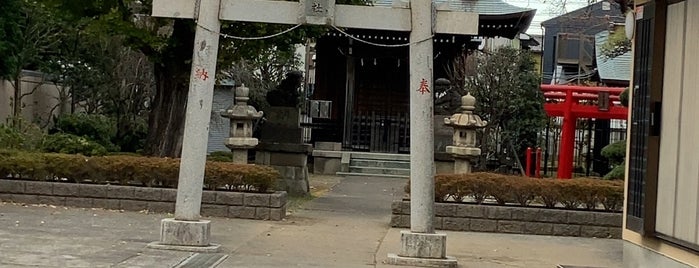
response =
{"points": [[380, 156], [379, 170], [372, 175], [380, 163]]}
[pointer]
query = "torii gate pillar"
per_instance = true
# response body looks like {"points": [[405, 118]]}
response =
{"points": [[187, 231], [421, 246]]}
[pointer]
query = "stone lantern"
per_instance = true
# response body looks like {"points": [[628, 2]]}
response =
{"points": [[465, 125], [241, 116]]}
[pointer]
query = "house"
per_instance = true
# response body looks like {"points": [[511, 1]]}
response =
{"points": [[520, 41], [534, 43], [661, 223], [569, 41], [219, 128]]}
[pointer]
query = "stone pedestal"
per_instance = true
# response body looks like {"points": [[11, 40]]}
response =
{"points": [[240, 156], [462, 157], [462, 166], [291, 162], [185, 236], [422, 249], [444, 163], [282, 125], [282, 148]]}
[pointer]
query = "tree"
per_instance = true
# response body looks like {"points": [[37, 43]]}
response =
{"points": [[617, 44], [10, 20], [78, 67], [506, 87], [107, 78], [262, 73], [30, 35], [169, 44]]}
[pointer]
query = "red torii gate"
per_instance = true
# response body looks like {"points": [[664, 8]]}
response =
{"points": [[564, 101]]}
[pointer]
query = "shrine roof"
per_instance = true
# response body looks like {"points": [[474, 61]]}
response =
{"points": [[496, 18], [482, 7]]}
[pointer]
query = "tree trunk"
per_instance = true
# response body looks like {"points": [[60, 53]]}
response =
{"points": [[166, 120], [17, 101]]}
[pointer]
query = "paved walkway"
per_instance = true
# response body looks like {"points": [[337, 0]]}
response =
{"points": [[346, 227]]}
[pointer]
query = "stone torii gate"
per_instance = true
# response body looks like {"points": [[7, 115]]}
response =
{"points": [[419, 17]]}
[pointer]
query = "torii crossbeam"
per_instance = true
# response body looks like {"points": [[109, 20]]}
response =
{"points": [[420, 246]]}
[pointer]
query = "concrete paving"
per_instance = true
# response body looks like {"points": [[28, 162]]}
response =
{"points": [[346, 227]]}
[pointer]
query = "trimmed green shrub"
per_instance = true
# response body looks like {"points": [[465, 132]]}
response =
{"points": [[25, 137], [72, 144], [617, 173], [220, 156], [10, 138], [126, 169], [95, 127], [624, 98], [615, 152], [131, 135], [588, 193]]}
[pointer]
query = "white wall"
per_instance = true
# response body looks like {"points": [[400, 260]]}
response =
{"points": [[678, 174], [5, 100], [37, 107]]}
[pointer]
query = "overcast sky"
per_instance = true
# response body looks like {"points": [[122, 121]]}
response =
{"points": [[546, 10]]}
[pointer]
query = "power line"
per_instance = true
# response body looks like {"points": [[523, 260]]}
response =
{"points": [[378, 44], [250, 37]]}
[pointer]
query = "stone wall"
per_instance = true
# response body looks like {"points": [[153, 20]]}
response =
{"points": [[265, 206], [517, 220], [327, 158]]}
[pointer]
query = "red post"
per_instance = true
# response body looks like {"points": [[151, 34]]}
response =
{"points": [[527, 170], [538, 162], [565, 158], [565, 155]]}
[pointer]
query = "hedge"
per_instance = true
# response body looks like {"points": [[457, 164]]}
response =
{"points": [[588, 193], [127, 169]]}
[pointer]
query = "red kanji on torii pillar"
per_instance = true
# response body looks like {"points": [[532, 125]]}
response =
{"points": [[564, 101]]}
